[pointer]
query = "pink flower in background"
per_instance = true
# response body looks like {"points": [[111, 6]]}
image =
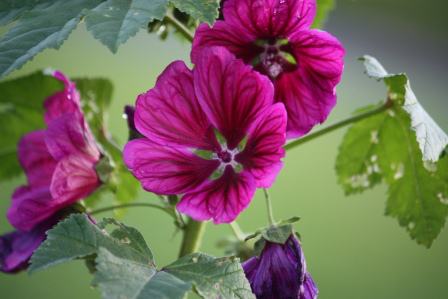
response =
{"points": [[274, 36], [59, 163], [213, 135]]}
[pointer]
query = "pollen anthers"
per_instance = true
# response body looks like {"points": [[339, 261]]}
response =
{"points": [[275, 57]]}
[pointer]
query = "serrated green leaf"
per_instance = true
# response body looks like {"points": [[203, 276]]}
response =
{"points": [[115, 21], [21, 111], [203, 10], [324, 7], [46, 25], [10, 10], [123, 278], [431, 138], [77, 237], [212, 277]]}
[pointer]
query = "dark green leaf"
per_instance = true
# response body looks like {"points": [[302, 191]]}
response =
{"points": [[324, 7], [203, 10], [115, 21], [212, 277], [77, 237], [46, 25], [21, 111], [119, 277], [10, 10]]}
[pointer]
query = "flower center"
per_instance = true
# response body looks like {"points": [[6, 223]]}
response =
{"points": [[225, 156], [275, 57]]}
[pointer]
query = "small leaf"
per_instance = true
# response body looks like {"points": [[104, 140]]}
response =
{"points": [[203, 10], [122, 278], [324, 7], [78, 237], [113, 22], [212, 277], [21, 111], [45, 25], [431, 138]]}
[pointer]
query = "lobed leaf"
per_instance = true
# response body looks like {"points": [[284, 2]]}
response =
{"points": [[203, 10]]}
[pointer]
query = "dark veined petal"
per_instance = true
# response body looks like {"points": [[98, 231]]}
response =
{"points": [[166, 170], [35, 158], [169, 114], [221, 200], [66, 101], [74, 178], [270, 18], [17, 247], [264, 149], [69, 135], [231, 93], [30, 206]]}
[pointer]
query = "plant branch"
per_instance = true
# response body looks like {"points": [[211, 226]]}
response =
{"points": [[236, 229], [269, 207], [338, 125], [192, 238], [133, 205], [179, 26]]}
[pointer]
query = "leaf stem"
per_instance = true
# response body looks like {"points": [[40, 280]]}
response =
{"points": [[338, 125], [269, 207], [179, 26], [192, 238], [236, 229], [133, 205]]}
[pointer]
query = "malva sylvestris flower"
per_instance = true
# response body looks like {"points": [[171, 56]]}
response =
{"points": [[212, 134], [280, 272], [59, 163], [274, 36]]}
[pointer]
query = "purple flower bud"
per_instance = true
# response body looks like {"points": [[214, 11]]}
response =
{"points": [[280, 272]]}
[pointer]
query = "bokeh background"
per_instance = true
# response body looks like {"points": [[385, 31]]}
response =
{"points": [[352, 249]]}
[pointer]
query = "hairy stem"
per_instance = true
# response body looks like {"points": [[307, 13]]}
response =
{"points": [[337, 125], [269, 207], [179, 26], [133, 205], [192, 238]]}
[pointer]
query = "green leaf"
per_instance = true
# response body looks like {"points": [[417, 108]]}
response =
{"points": [[46, 25], [10, 10], [21, 111], [123, 278], [324, 7], [203, 10], [115, 21], [431, 138], [77, 237], [212, 277]]}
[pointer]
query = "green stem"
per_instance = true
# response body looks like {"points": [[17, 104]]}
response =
{"points": [[179, 26], [133, 205], [236, 229], [192, 239], [269, 207], [337, 125]]}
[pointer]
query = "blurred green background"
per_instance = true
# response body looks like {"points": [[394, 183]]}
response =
{"points": [[352, 249]]}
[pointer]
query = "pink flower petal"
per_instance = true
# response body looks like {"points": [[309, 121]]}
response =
{"points": [[66, 101], [35, 158], [69, 135], [264, 149], [309, 92], [270, 18], [166, 170], [169, 114], [222, 199], [31, 206], [231, 93]]}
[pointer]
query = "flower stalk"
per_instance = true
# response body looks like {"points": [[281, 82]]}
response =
{"points": [[179, 26], [192, 237], [269, 207]]}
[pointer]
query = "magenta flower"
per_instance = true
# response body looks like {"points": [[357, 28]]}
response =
{"points": [[280, 272], [59, 163], [274, 36], [211, 134]]}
